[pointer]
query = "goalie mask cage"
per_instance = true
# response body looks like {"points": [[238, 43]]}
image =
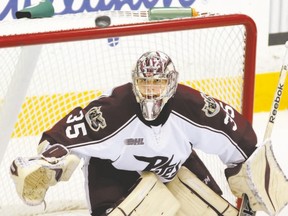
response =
{"points": [[46, 73]]}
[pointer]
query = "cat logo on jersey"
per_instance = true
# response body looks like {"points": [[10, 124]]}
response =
{"points": [[95, 119], [211, 107]]}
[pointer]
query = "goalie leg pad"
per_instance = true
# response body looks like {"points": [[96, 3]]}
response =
{"points": [[196, 198], [261, 178], [149, 197]]}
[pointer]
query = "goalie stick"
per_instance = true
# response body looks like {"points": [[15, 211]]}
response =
{"points": [[277, 96], [245, 209]]}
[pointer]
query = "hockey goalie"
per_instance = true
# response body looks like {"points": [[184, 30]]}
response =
{"points": [[138, 143]]}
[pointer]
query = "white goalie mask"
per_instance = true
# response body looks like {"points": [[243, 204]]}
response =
{"points": [[154, 82]]}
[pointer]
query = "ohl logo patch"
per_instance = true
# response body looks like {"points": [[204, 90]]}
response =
{"points": [[113, 41]]}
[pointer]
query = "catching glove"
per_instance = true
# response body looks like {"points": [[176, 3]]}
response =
{"points": [[33, 176]]}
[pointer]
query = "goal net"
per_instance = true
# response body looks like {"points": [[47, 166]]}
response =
{"points": [[51, 65]]}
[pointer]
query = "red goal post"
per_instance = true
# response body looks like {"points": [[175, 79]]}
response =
{"points": [[67, 67]]}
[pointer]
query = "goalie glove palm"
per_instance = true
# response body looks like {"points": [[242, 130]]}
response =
{"points": [[33, 176]]}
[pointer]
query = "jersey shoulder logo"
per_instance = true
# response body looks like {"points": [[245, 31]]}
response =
{"points": [[211, 107], [95, 119]]}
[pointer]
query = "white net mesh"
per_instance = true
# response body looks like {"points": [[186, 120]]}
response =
{"points": [[70, 74]]}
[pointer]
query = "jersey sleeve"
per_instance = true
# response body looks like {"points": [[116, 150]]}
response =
{"points": [[71, 129], [219, 128], [94, 125]]}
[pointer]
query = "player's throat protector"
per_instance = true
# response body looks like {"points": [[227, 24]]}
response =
{"points": [[154, 82]]}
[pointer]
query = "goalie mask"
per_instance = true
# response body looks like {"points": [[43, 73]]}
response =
{"points": [[154, 82]]}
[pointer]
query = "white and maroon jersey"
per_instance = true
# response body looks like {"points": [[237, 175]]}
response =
{"points": [[112, 127]]}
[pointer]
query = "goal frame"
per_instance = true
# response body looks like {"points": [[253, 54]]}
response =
{"points": [[160, 26], [154, 27]]}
